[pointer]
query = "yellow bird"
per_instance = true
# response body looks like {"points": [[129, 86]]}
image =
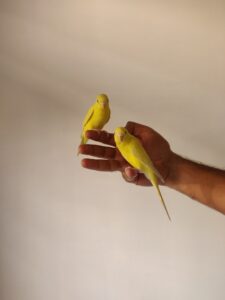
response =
{"points": [[97, 116], [134, 153]]}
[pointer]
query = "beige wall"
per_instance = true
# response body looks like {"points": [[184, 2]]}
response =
{"points": [[68, 233]]}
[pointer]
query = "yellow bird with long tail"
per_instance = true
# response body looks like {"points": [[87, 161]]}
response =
{"points": [[134, 153]]}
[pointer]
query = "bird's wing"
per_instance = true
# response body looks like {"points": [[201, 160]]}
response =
{"points": [[88, 115], [142, 158], [109, 115]]}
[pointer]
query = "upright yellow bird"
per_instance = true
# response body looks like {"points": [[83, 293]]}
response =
{"points": [[133, 152], [97, 116]]}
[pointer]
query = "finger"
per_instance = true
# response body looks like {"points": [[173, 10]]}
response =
{"points": [[135, 177], [130, 173], [135, 128], [98, 151], [130, 126], [139, 129], [101, 136], [101, 164]]}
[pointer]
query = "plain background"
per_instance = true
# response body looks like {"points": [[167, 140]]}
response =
{"points": [[69, 233]]}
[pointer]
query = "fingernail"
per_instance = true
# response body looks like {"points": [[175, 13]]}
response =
{"points": [[128, 172]]}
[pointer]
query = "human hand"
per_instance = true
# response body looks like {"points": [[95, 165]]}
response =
{"points": [[111, 159]]}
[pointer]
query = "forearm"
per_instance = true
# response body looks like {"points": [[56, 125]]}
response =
{"points": [[201, 183]]}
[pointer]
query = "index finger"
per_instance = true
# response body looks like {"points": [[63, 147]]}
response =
{"points": [[135, 128], [138, 129], [101, 136], [107, 165]]}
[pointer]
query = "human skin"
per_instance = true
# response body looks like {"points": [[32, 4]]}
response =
{"points": [[202, 183]]}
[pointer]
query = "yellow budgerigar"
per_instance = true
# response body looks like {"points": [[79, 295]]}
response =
{"points": [[97, 116], [134, 153]]}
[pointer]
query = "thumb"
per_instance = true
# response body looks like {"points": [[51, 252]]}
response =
{"points": [[130, 174]]}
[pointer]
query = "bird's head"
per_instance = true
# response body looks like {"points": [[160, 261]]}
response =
{"points": [[102, 100], [120, 134]]}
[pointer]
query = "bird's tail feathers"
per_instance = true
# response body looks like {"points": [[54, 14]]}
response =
{"points": [[157, 174], [163, 202]]}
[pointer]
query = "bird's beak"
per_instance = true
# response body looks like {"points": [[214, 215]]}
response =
{"points": [[103, 105], [120, 137]]}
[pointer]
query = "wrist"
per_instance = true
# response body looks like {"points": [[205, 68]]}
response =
{"points": [[174, 166]]}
